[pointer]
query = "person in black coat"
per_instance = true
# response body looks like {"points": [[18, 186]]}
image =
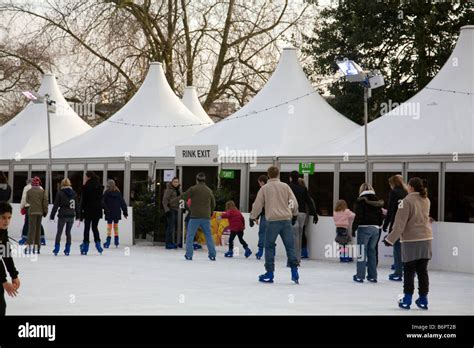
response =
{"points": [[113, 204], [91, 210], [66, 202], [5, 189], [367, 222], [397, 194]]}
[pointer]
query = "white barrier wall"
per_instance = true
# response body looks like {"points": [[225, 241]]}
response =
{"points": [[453, 244], [77, 232]]}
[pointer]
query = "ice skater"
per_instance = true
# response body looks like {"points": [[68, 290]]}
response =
{"points": [[91, 211], [201, 206], [113, 204], [10, 288], [343, 216], [262, 222], [37, 198], [281, 209], [413, 227], [397, 193], [66, 202], [171, 211], [236, 226], [367, 222], [24, 207]]}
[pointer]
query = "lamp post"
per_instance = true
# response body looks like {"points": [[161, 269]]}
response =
{"points": [[369, 80], [50, 108]]}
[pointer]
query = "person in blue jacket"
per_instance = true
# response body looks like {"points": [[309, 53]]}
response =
{"points": [[113, 204]]}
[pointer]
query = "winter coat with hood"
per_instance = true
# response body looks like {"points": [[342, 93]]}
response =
{"points": [[368, 210], [37, 198], [5, 192], [66, 202], [113, 203], [169, 201], [91, 200], [236, 220]]}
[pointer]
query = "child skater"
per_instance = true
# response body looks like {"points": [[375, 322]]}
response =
{"points": [[113, 202], [236, 226], [66, 201], [10, 288], [342, 218]]}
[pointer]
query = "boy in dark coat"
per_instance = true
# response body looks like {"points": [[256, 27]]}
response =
{"points": [[113, 204], [10, 288]]}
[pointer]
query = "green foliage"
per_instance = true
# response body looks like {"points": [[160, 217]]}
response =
{"points": [[222, 195], [147, 213], [408, 41]]}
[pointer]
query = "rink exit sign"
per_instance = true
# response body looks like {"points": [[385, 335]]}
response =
{"points": [[306, 168], [227, 174]]}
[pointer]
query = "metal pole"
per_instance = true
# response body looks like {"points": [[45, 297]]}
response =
{"points": [[50, 165], [366, 118]]}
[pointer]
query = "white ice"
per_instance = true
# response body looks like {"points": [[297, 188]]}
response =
{"points": [[149, 280]]}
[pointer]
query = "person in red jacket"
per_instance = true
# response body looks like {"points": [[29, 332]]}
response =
{"points": [[236, 226]]}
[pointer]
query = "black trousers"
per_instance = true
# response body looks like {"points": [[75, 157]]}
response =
{"points": [[95, 229], [304, 241], [239, 234], [420, 268], [3, 304]]}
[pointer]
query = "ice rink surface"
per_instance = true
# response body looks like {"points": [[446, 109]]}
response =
{"points": [[149, 280]]}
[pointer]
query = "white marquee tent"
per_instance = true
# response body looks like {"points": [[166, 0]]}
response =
{"points": [[152, 119], [27, 132], [191, 101], [281, 120], [438, 120]]}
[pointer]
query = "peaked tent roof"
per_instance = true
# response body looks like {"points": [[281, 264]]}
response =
{"points": [[152, 119], [27, 132], [438, 120], [281, 120], [191, 101]]}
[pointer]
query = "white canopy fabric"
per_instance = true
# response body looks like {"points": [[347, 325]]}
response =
{"points": [[191, 101], [281, 120], [154, 118], [27, 132], [438, 120]]}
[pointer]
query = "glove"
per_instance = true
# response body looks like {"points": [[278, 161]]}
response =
{"points": [[23, 211], [386, 242], [45, 214], [315, 219], [293, 219], [251, 222]]}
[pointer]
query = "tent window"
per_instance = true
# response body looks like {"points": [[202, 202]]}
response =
{"points": [[381, 186], [138, 183], [117, 176], [58, 176], [19, 182], [77, 180], [349, 183], [432, 179], [233, 186], [459, 197], [189, 176], [321, 188], [254, 187]]}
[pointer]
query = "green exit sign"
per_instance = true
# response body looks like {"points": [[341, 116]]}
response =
{"points": [[306, 168], [227, 174]]}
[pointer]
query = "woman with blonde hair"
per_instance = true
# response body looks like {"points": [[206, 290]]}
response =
{"points": [[367, 222], [398, 192], [66, 202]]}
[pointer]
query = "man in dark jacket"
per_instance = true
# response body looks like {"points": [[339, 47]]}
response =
{"points": [[10, 288], [66, 202], [91, 210], [201, 208], [304, 204], [171, 210], [367, 222], [5, 189]]}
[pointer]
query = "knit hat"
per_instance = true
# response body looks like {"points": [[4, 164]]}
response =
{"points": [[36, 181]]}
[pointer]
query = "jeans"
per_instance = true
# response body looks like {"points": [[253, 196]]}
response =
{"points": [[262, 227], [420, 267], [397, 258], [298, 234], [366, 246], [171, 222], [193, 225], [284, 229], [68, 221], [239, 234], [95, 229]]}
